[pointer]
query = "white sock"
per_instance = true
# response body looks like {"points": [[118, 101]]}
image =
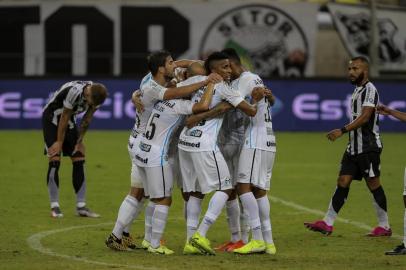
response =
{"points": [[251, 206], [54, 204], [245, 226], [149, 211], [404, 228], [331, 215], [216, 204], [125, 213], [158, 224], [382, 215], [140, 206], [80, 204], [233, 219], [264, 209], [194, 207]]}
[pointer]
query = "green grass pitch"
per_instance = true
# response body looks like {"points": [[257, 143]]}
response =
{"points": [[304, 178]]}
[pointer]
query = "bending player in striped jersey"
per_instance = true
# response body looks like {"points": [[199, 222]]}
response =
{"points": [[401, 249], [362, 156], [161, 66], [203, 167], [151, 156]]}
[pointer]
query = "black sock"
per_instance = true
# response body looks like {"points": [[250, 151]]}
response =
{"points": [[380, 198], [339, 198], [78, 180]]}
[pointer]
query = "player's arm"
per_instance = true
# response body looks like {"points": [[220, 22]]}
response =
{"points": [[269, 96], [187, 90], [136, 100], [361, 120], [56, 148], [251, 109], [84, 125], [204, 103], [220, 109], [184, 63], [385, 110]]}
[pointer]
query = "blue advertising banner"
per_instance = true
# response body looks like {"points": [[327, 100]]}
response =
{"points": [[302, 105]]}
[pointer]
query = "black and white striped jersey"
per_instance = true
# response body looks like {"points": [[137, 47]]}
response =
{"points": [[366, 138], [70, 96]]}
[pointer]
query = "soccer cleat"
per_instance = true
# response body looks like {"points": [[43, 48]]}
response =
{"points": [[189, 249], [223, 247], [128, 241], [270, 249], [319, 226], [145, 244], [202, 243], [86, 212], [235, 245], [399, 250], [56, 212], [253, 246], [380, 231], [160, 250], [115, 244]]}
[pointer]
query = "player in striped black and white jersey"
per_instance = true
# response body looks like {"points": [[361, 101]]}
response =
{"points": [[61, 134], [203, 167], [362, 156], [400, 249], [153, 89], [151, 156]]}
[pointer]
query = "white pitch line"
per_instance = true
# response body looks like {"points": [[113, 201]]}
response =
{"points": [[34, 242], [320, 213]]}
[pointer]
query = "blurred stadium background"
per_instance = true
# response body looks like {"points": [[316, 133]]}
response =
{"points": [[300, 48]]}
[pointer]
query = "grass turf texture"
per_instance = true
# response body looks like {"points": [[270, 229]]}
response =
{"points": [[305, 172]]}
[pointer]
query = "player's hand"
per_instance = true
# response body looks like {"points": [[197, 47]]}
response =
{"points": [[382, 109], [136, 100], [334, 134], [79, 147], [191, 121], [258, 93], [214, 78], [55, 149]]}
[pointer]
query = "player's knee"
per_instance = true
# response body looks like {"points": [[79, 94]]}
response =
{"points": [[373, 183], [55, 158], [344, 181], [404, 200], [185, 196], [78, 154], [137, 193]]}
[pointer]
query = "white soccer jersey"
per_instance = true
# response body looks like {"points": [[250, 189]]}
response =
{"points": [[151, 92], [166, 116], [203, 137], [259, 134]]}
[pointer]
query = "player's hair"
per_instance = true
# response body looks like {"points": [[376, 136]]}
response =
{"points": [[216, 56], [99, 93], [194, 69], [157, 59], [232, 55], [363, 59]]}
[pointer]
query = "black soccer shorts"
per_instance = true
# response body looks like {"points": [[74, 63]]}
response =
{"points": [[50, 132], [365, 165]]}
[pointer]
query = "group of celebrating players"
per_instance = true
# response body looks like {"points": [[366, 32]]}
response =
{"points": [[208, 126]]}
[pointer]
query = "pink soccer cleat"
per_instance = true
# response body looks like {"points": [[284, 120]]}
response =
{"points": [[380, 231], [319, 226]]}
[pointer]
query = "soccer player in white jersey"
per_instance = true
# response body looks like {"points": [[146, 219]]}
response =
{"points": [[400, 249], [151, 157], [203, 167], [255, 162], [161, 67]]}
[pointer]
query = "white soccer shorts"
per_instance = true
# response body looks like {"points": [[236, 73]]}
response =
{"points": [[204, 171], [231, 153], [255, 167], [157, 181], [135, 175]]}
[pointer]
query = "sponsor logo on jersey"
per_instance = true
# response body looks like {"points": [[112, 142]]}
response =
{"points": [[194, 133], [263, 36], [145, 147], [190, 144], [143, 160]]}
